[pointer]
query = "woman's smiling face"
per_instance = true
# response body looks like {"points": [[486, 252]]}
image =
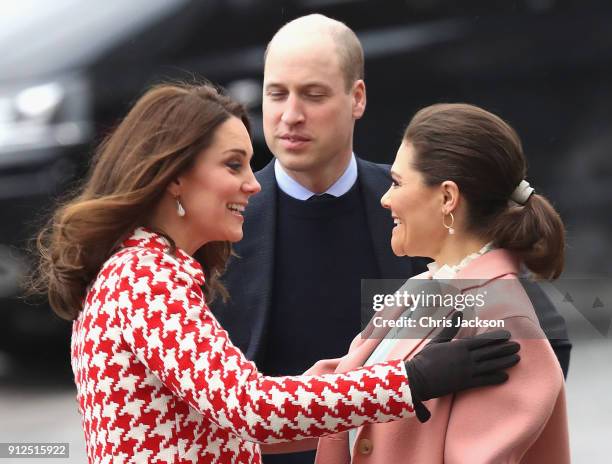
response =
{"points": [[216, 189], [416, 208]]}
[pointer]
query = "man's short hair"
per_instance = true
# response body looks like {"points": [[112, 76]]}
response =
{"points": [[348, 46], [350, 53]]}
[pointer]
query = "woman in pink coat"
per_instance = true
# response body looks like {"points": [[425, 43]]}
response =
{"points": [[459, 196], [132, 259]]}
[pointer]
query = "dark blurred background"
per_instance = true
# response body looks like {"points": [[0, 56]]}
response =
{"points": [[69, 69]]}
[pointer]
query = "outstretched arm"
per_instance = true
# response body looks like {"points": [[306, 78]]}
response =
{"points": [[171, 330]]}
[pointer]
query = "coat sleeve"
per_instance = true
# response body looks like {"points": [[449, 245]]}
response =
{"points": [[499, 424], [324, 366], [168, 326]]}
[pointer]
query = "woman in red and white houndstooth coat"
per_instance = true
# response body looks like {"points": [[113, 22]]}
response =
{"points": [[158, 380]]}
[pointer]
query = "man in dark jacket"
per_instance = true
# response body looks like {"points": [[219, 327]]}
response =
{"points": [[317, 227]]}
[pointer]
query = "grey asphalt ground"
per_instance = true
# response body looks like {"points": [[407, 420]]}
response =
{"points": [[36, 407]]}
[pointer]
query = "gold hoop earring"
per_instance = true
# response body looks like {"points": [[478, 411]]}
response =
{"points": [[179, 208], [451, 229]]}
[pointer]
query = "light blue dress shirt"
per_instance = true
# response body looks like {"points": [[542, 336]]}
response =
{"points": [[296, 190]]}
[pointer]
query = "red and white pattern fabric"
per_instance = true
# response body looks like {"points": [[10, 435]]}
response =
{"points": [[158, 380]]}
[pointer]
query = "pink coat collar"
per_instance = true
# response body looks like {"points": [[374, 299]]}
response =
{"points": [[492, 265]]}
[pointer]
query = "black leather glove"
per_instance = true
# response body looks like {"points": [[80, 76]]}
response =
{"points": [[443, 367]]}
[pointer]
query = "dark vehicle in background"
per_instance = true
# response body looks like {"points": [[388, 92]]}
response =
{"points": [[70, 68]]}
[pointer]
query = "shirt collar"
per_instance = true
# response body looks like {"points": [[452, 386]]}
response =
{"points": [[146, 238], [296, 190]]}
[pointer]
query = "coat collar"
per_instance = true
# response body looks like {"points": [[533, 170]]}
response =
{"points": [[492, 265], [146, 238]]}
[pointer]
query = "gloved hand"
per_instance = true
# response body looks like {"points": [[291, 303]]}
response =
{"points": [[443, 367]]}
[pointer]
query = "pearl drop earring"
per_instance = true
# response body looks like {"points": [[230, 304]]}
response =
{"points": [[179, 208]]}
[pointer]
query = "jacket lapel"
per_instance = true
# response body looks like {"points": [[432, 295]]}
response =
{"points": [[258, 252], [369, 339], [407, 347]]}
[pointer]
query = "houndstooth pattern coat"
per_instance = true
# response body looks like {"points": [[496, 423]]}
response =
{"points": [[158, 380]]}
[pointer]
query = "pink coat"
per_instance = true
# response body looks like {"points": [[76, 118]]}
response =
{"points": [[523, 420]]}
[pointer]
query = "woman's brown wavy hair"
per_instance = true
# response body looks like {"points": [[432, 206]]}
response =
{"points": [[157, 141]]}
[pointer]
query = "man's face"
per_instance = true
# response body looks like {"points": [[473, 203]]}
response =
{"points": [[308, 114]]}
